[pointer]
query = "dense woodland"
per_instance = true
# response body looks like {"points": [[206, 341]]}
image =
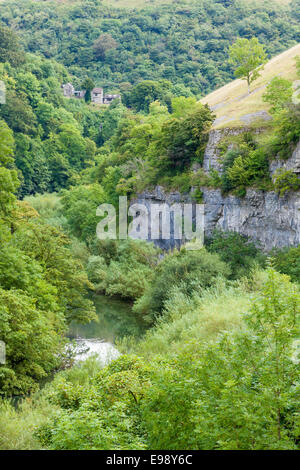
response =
{"points": [[184, 42], [213, 362]]}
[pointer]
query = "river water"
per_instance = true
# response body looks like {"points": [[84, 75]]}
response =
{"points": [[115, 320]]}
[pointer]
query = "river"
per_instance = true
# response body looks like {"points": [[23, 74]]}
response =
{"points": [[115, 320]]}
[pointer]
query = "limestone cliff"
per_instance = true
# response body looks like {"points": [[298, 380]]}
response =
{"points": [[265, 217]]}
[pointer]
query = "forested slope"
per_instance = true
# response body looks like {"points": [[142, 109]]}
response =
{"points": [[185, 42], [213, 364]]}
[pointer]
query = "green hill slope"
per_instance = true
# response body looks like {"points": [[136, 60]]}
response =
{"points": [[232, 104], [183, 42]]}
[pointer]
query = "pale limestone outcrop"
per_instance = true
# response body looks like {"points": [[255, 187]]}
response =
{"points": [[264, 216]]}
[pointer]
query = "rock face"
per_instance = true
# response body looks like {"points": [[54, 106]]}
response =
{"points": [[292, 163], [266, 218], [159, 196]]}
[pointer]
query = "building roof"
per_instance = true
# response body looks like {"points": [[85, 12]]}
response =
{"points": [[97, 90]]}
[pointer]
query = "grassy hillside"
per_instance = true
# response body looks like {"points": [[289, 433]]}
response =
{"points": [[232, 104]]}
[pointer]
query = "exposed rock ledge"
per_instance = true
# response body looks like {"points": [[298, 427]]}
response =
{"points": [[266, 218]]}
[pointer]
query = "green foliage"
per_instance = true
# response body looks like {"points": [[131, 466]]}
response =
{"points": [[186, 271], [103, 44], [278, 93], [235, 250], [79, 206], [286, 132], [8, 178], [127, 272], [185, 43], [213, 389], [245, 164], [285, 181], [183, 140], [18, 425], [49, 247], [105, 416], [287, 261], [10, 49], [239, 392], [143, 94], [55, 137], [87, 85], [32, 335], [248, 56]]}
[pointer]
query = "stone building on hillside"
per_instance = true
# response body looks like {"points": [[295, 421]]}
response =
{"points": [[68, 90], [79, 94], [108, 99], [97, 94]]}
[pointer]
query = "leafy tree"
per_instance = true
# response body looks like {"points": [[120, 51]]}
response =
{"points": [[33, 338], [87, 85], [18, 114], [50, 248], [143, 94], [278, 93], [8, 177], [103, 44], [287, 261], [183, 140], [236, 251], [248, 55], [10, 48], [184, 271]]}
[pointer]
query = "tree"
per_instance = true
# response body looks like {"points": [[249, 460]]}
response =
{"points": [[235, 250], [184, 139], [8, 177], [278, 93], [249, 57], [49, 247], [104, 43], [10, 49], [87, 85], [287, 261], [184, 271], [33, 338], [143, 94]]}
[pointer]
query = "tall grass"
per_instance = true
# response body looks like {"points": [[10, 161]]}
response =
{"points": [[18, 425], [187, 321]]}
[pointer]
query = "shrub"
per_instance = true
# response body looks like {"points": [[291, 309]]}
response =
{"points": [[235, 250], [124, 271], [185, 271], [285, 181], [287, 261]]}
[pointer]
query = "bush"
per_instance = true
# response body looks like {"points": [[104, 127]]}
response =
{"points": [[285, 181], [184, 271], [237, 251], [238, 392], [287, 261], [124, 268]]}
